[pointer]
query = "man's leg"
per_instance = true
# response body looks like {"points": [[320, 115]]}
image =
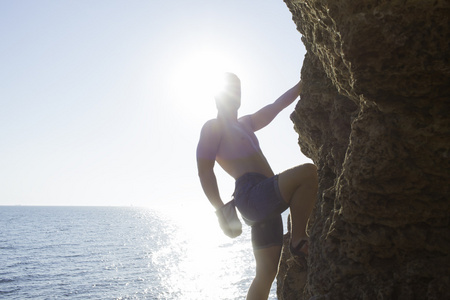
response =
{"points": [[267, 260], [298, 187]]}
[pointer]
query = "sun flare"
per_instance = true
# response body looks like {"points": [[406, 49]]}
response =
{"points": [[196, 79]]}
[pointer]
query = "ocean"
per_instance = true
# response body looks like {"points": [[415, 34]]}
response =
{"points": [[121, 253]]}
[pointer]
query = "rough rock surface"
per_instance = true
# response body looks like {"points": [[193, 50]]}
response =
{"points": [[374, 117]]}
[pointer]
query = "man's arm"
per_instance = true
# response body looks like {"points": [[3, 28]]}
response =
{"points": [[265, 115], [207, 148]]}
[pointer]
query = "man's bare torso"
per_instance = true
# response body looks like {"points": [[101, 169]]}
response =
{"points": [[239, 150]]}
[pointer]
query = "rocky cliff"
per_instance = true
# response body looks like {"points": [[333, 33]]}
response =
{"points": [[374, 117]]}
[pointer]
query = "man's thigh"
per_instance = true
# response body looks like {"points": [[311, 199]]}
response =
{"points": [[290, 180]]}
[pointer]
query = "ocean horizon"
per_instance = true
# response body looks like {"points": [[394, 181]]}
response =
{"points": [[84, 252]]}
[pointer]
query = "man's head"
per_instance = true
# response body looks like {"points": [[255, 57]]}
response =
{"points": [[229, 96]]}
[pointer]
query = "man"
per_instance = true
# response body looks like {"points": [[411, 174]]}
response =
{"points": [[260, 195]]}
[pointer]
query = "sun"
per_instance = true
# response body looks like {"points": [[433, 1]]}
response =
{"points": [[200, 73], [196, 78]]}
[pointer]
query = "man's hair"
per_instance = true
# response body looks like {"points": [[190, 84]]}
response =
{"points": [[230, 90]]}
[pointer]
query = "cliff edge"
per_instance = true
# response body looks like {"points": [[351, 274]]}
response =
{"points": [[374, 118]]}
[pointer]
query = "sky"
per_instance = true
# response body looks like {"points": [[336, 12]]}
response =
{"points": [[102, 102]]}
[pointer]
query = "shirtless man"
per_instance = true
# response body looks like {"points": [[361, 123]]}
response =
{"points": [[260, 196]]}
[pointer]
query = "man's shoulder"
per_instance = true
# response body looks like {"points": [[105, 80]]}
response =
{"points": [[212, 124], [246, 121], [211, 127]]}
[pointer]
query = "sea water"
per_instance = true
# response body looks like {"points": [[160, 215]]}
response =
{"points": [[120, 253]]}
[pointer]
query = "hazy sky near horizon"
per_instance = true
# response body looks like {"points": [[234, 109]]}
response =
{"points": [[100, 101]]}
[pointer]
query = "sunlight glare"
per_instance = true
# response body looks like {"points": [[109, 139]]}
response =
{"points": [[209, 259], [197, 78]]}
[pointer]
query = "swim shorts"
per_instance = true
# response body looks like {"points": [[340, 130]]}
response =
{"points": [[259, 201]]}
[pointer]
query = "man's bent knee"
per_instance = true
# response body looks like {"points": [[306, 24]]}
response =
{"points": [[306, 172], [310, 178], [311, 170], [309, 167], [301, 176]]}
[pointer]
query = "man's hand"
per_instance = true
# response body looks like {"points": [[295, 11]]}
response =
{"points": [[265, 115], [228, 220]]}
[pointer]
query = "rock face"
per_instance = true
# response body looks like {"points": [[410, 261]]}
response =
{"points": [[374, 116]]}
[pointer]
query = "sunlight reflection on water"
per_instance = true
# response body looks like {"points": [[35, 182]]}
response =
{"points": [[121, 253], [204, 263]]}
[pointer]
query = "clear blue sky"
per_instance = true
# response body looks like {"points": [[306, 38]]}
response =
{"points": [[100, 102]]}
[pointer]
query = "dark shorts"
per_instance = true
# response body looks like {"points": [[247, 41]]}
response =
{"points": [[259, 201]]}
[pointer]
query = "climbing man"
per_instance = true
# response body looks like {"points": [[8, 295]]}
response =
{"points": [[260, 195]]}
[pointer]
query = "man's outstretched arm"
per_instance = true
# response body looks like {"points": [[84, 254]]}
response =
{"points": [[265, 115], [206, 155]]}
